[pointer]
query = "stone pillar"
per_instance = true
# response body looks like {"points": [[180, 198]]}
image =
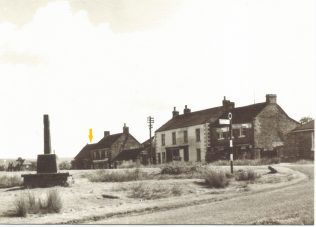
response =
{"points": [[47, 146]]}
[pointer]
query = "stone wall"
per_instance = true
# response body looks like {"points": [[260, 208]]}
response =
{"points": [[271, 127]]}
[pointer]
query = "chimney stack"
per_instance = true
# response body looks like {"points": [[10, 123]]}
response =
{"points": [[175, 112], [271, 98], [125, 129], [186, 110], [106, 133], [228, 105]]}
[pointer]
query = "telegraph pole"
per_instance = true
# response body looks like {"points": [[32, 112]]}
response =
{"points": [[150, 121], [230, 116]]}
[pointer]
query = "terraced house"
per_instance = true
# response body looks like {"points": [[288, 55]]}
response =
{"points": [[258, 129]]}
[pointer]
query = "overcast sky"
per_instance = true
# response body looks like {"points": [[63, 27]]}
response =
{"points": [[99, 64]]}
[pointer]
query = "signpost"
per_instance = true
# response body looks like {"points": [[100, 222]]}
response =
{"points": [[230, 123]]}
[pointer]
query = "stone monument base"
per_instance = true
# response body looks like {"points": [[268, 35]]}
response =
{"points": [[45, 179], [46, 163]]}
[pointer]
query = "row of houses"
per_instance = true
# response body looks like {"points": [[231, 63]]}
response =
{"points": [[258, 130]]}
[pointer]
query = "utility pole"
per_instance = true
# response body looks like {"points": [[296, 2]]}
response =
{"points": [[150, 121], [230, 116]]}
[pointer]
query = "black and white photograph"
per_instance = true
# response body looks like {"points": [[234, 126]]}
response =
{"points": [[157, 112]]}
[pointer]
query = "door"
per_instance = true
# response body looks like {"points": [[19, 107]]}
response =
{"points": [[186, 154]]}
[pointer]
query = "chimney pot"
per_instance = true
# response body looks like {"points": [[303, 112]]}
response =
{"points": [[175, 112], [186, 110], [106, 133], [125, 129], [271, 98]]}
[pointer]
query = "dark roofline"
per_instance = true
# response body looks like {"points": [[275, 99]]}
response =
{"points": [[189, 114]]}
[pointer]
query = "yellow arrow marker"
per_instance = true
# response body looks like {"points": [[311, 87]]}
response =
{"points": [[90, 135]]}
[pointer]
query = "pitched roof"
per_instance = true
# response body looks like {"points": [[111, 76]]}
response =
{"points": [[85, 149], [193, 118], [247, 113], [131, 154], [307, 126], [106, 142]]}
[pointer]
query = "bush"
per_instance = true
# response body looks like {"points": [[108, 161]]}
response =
{"points": [[177, 168], [64, 165], [8, 181], [246, 175], [142, 191], [27, 203], [105, 176], [215, 179]]}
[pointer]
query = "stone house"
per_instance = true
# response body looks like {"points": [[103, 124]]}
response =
{"points": [[139, 155], [300, 143], [198, 136], [102, 154]]}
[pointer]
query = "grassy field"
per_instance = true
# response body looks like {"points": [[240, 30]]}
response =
{"points": [[100, 194]]}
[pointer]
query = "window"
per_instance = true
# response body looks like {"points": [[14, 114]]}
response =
{"points": [[163, 157], [222, 133], [163, 140], [198, 155], [243, 132], [197, 135], [103, 154], [174, 140], [185, 136], [159, 158]]}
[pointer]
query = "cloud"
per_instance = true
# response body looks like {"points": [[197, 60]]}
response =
{"points": [[122, 15]]}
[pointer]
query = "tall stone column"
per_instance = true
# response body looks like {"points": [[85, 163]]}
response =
{"points": [[47, 145]]}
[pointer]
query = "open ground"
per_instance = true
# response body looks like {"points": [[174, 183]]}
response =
{"points": [[282, 198]]}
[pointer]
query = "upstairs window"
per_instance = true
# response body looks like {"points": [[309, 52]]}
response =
{"points": [[185, 136], [174, 140], [197, 135], [163, 140]]}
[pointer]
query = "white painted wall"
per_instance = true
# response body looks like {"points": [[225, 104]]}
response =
{"points": [[193, 144]]}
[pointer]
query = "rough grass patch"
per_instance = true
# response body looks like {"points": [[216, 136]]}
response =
{"points": [[28, 203], [114, 176], [147, 191], [215, 179], [248, 162], [8, 181], [246, 175], [177, 168]]}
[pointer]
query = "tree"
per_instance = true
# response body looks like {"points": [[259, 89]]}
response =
{"points": [[304, 120]]}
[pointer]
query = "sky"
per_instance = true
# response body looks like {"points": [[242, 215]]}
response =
{"points": [[102, 63]]}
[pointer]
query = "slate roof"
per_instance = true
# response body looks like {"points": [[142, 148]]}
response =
{"points": [[84, 150], [106, 142], [128, 154], [304, 127], [246, 114], [193, 118]]}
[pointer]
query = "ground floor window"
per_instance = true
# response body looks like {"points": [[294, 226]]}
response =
{"points": [[198, 155], [163, 157], [159, 158]]}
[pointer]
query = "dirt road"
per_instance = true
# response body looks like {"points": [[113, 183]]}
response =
{"points": [[289, 205]]}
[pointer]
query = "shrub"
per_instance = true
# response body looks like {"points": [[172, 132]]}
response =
{"points": [[53, 202], [215, 179], [246, 175], [105, 176], [8, 181], [21, 207], [148, 192], [27, 203], [177, 168], [64, 165]]}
